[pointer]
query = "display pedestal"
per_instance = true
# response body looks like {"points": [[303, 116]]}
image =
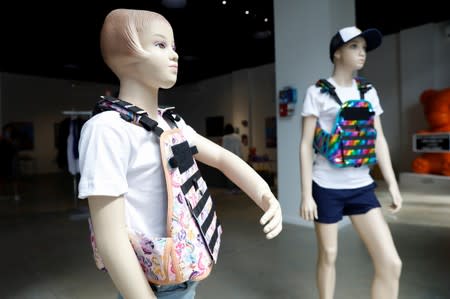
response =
{"points": [[425, 188], [430, 182]]}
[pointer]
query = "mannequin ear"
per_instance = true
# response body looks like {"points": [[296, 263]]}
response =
{"points": [[337, 55]]}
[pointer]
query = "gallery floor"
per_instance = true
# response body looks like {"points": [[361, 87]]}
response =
{"points": [[45, 251]]}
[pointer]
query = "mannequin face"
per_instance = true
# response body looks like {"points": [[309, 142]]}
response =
{"points": [[352, 54], [159, 66]]}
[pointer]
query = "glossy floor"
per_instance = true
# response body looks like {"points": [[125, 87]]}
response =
{"points": [[45, 251]]}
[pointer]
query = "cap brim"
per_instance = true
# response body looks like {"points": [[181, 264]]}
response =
{"points": [[373, 38]]}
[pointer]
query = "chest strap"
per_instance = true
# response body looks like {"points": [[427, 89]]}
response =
{"points": [[326, 87]]}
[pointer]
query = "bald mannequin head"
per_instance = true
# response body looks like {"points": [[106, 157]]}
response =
{"points": [[121, 35]]}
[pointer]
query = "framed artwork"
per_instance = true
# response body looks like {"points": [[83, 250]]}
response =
{"points": [[21, 133]]}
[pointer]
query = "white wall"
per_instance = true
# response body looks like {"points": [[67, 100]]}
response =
{"points": [[442, 55], [406, 64], [262, 102], [41, 100], [199, 100], [231, 96], [403, 67], [303, 29], [383, 70]]}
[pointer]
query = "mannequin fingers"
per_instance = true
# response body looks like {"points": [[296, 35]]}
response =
{"points": [[274, 222], [270, 213], [311, 215], [274, 232], [395, 208], [302, 213]]}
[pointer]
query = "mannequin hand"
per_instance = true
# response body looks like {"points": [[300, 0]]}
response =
{"points": [[272, 219], [397, 199], [308, 209]]}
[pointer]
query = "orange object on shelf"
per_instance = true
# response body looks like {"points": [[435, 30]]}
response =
{"points": [[436, 106]]}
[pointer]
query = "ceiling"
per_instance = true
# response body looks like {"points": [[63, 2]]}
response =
{"points": [[61, 39]]}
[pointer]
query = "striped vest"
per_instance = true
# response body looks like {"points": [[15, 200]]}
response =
{"points": [[351, 142], [191, 246]]}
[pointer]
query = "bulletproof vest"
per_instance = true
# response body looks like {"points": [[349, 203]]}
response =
{"points": [[192, 244], [351, 142]]}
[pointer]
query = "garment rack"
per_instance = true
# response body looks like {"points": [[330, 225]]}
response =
{"points": [[75, 113], [75, 183]]}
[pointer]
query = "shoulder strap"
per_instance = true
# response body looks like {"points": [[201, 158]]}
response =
{"points": [[326, 87], [169, 113], [134, 114], [363, 86]]}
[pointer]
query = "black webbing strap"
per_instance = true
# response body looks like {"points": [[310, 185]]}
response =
{"points": [[171, 115], [192, 181], [201, 203], [208, 221], [150, 125], [326, 87], [363, 86], [130, 113], [182, 156], [214, 237]]}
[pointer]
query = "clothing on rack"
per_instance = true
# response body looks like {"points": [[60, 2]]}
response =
{"points": [[66, 141], [72, 146]]}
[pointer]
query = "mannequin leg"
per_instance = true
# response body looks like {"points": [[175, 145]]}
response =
{"points": [[327, 236], [375, 233]]}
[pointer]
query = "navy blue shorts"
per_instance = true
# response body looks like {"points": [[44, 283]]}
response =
{"points": [[333, 204]]}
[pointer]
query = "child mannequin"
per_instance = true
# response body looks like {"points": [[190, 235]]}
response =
{"points": [[139, 48], [329, 192]]}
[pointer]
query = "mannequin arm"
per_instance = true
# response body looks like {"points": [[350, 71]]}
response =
{"points": [[384, 162], [308, 208], [246, 178], [108, 220]]}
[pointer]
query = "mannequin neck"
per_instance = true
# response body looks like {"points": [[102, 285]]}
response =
{"points": [[343, 76], [140, 95]]}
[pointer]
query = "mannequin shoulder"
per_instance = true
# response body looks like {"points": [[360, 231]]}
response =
{"points": [[105, 121], [372, 93], [106, 117], [313, 92]]}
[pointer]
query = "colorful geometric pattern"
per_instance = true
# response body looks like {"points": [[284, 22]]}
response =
{"points": [[192, 244], [351, 142]]}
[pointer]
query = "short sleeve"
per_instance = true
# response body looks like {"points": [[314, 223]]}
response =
{"points": [[310, 103], [188, 131], [372, 95], [104, 150]]}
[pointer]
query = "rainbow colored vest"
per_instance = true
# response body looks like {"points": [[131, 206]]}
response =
{"points": [[192, 244], [351, 142]]}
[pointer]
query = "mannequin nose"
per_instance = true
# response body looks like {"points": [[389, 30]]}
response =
{"points": [[174, 55]]}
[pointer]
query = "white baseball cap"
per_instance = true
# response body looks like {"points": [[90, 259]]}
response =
{"points": [[372, 36]]}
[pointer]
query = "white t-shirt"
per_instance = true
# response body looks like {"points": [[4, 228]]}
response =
{"points": [[120, 158], [325, 108]]}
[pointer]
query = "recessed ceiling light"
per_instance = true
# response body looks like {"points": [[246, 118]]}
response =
{"points": [[190, 58], [174, 3], [224, 2], [71, 66], [266, 20], [247, 12], [262, 34]]}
